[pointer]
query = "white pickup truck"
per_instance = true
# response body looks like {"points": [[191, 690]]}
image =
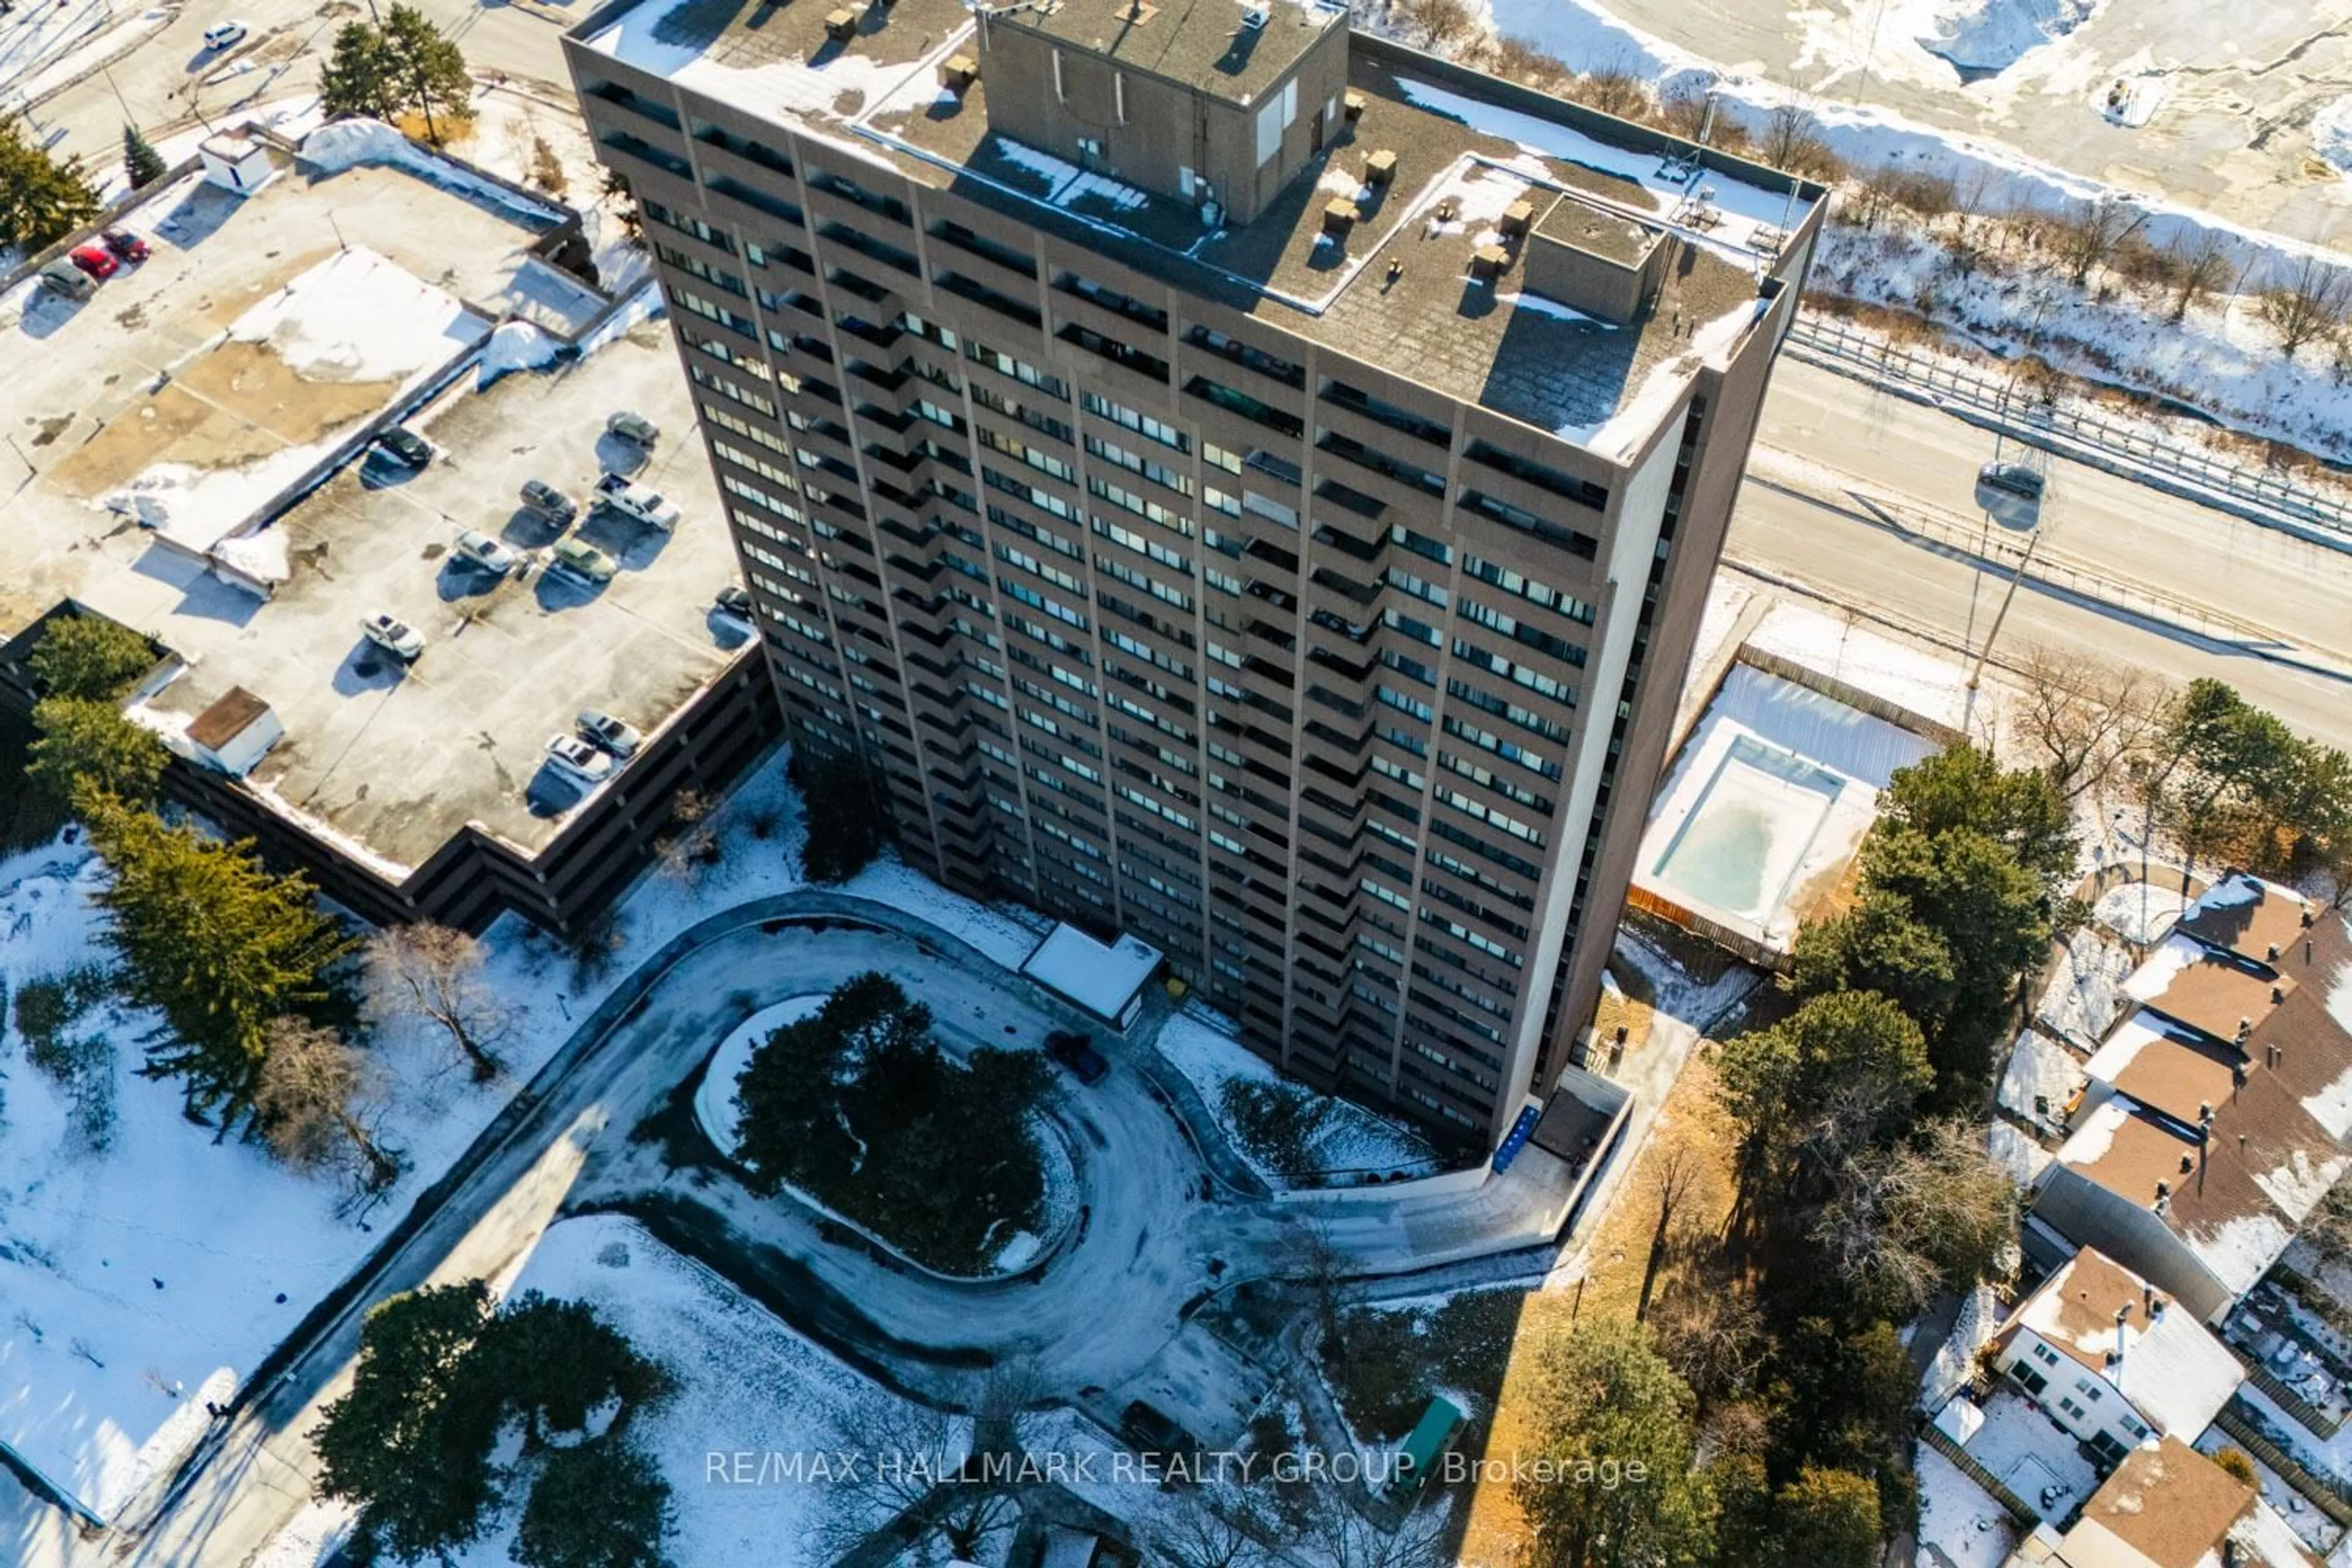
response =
{"points": [[633, 500]]}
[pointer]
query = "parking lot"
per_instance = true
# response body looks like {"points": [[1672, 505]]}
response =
{"points": [[399, 756]]}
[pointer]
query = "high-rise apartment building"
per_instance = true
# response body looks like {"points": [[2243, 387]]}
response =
{"points": [[1232, 480]]}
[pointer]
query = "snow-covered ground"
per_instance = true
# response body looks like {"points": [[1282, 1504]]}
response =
{"points": [[714, 1097], [1346, 1138], [43, 46], [750, 1394], [103, 1374], [1920, 680], [1957, 1518], [2041, 1077], [2139, 912], [2027, 1454], [2085, 994]]}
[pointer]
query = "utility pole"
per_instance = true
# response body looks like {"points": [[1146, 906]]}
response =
{"points": [[1976, 672]]}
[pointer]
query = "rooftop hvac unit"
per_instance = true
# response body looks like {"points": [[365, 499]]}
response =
{"points": [[1255, 17]]}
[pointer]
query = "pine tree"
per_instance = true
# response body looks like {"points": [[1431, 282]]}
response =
{"points": [[41, 199], [214, 942], [432, 70], [141, 164], [361, 77], [88, 746], [601, 1505], [91, 657]]}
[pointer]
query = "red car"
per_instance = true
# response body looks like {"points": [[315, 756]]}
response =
{"points": [[126, 245], [95, 260]]}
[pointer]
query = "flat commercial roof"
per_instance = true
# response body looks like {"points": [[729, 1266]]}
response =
{"points": [[1203, 44], [1398, 292], [1102, 980]]}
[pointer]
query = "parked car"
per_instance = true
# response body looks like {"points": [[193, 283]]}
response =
{"points": [[405, 448], [95, 261], [549, 502], [488, 554], [226, 35], [1077, 1052], [2015, 477], [578, 760], [64, 278], [643, 502], [736, 600], [396, 637], [125, 244], [620, 739], [582, 561], [633, 426]]}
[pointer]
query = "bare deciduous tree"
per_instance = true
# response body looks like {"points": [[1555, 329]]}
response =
{"points": [[2088, 232], [2202, 264], [1335, 1535], [319, 1099], [1713, 1335], [1207, 1529], [1915, 1218], [1615, 89], [1792, 140], [1673, 1176], [2307, 300], [435, 972], [2088, 717]]}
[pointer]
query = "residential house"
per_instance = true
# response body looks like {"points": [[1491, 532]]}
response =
{"points": [[2168, 1506]]}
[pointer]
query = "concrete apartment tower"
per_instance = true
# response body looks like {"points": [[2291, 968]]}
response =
{"points": [[1233, 481]]}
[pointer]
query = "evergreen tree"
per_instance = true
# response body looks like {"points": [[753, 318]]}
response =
{"points": [[410, 1443], [41, 199], [432, 70], [86, 746], [361, 76], [214, 942], [1604, 1397], [600, 1505], [1828, 1519], [141, 164], [90, 656], [555, 1360], [847, 827]]}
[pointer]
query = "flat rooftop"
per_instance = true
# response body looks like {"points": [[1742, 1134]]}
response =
{"points": [[1399, 290], [254, 346], [1195, 42], [396, 761]]}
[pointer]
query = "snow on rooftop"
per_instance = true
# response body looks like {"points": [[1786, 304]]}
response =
{"points": [[348, 144], [1067, 183], [843, 84], [1102, 980], [2130, 1037], [2174, 955], [2174, 1370], [2090, 1139]]}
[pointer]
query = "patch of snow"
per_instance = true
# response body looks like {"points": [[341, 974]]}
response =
{"points": [[2044, 1467], [834, 83], [2085, 992], [2097, 1131], [2171, 958], [2040, 1076], [1065, 183], [2331, 135], [517, 345], [348, 144], [1553, 308], [745, 1384], [2123, 1046], [2139, 912], [261, 554], [358, 317], [1201, 1045], [1982, 38], [1955, 1360], [2014, 1152], [1959, 1518], [1918, 680]]}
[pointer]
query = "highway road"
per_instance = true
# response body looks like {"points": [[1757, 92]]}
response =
{"points": [[1857, 494]]}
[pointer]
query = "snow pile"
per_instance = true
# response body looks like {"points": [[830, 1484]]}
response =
{"points": [[517, 345], [358, 317], [2331, 135], [350, 143], [1984, 37]]}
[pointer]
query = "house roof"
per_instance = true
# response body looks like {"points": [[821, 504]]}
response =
{"points": [[2174, 1371], [227, 719], [2164, 1066], [2246, 915], [2189, 983], [2167, 1502]]}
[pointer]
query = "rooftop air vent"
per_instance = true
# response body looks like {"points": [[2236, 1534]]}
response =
{"points": [[1255, 17]]}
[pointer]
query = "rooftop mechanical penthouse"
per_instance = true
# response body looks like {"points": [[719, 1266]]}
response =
{"points": [[1233, 481]]}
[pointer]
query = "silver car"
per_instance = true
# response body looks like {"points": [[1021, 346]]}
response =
{"points": [[620, 739], [479, 548], [578, 760], [630, 425]]}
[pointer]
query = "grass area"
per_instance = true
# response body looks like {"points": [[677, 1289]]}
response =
{"points": [[1389, 1363], [1691, 1133]]}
